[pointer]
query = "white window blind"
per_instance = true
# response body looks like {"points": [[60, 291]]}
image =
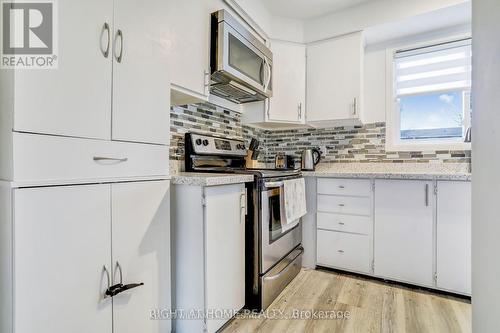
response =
{"points": [[436, 68]]}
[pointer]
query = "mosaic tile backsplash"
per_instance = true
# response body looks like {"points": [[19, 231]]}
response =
{"points": [[354, 144]]}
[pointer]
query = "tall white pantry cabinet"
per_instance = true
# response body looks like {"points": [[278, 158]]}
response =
{"points": [[84, 189]]}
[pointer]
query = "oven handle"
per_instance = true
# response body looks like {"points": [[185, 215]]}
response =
{"points": [[277, 276], [273, 184]]}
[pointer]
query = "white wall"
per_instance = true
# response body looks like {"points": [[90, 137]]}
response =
{"points": [[486, 166], [368, 15], [287, 29], [275, 27]]}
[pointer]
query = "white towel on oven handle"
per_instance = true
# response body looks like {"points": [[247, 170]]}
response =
{"points": [[293, 205]]}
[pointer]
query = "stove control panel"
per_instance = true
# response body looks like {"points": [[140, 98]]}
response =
{"points": [[211, 145]]}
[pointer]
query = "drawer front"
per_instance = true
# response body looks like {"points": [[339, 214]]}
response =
{"points": [[43, 158], [344, 251], [344, 205], [337, 186], [346, 223]]}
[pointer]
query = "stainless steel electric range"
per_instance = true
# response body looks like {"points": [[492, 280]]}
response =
{"points": [[273, 257]]}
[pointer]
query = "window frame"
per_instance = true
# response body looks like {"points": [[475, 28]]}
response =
{"points": [[393, 142]]}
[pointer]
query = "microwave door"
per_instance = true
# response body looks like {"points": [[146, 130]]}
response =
{"points": [[241, 59]]}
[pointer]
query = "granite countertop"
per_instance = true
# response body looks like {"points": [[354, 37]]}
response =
{"points": [[389, 175], [209, 179], [417, 171]]}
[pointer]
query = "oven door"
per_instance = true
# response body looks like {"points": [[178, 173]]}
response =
{"points": [[275, 243], [242, 60]]}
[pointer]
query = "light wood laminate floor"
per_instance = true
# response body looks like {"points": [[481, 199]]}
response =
{"points": [[373, 306]]}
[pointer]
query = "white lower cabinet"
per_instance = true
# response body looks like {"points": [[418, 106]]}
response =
{"points": [[419, 232], [208, 244], [453, 263], [344, 250], [67, 243], [62, 242], [344, 224], [141, 248], [403, 235]]}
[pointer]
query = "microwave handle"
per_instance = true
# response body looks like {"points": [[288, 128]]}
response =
{"points": [[262, 73], [268, 77]]}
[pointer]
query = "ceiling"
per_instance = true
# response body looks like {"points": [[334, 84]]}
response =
{"points": [[307, 9]]}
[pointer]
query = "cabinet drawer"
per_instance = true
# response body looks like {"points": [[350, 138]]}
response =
{"points": [[346, 223], [344, 205], [343, 250], [43, 158], [359, 187]]}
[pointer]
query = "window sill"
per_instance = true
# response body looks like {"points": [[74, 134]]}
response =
{"points": [[425, 147]]}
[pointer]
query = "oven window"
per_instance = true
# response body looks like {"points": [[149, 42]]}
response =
{"points": [[274, 215], [242, 58], [275, 230]]}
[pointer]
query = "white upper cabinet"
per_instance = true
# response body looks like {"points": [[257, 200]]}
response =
{"points": [[335, 80], [189, 38], [404, 231], [75, 98], [288, 103], [141, 85], [454, 236], [112, 80]]}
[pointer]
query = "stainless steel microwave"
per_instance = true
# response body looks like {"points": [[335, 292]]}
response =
{"points": [[241, 65]]}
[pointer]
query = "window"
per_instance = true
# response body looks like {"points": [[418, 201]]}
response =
{"points": [[431, 94]]}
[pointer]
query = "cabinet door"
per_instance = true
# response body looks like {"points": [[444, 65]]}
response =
{"points": [[225, 250], [404, 231], [141, 247], [189, 48], [334, 78], [289, 82], [75, 98], [61, 245], [454, 236], [141, 84]]}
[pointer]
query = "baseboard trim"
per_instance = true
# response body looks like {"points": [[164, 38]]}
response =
{"points": [[395, 283]]}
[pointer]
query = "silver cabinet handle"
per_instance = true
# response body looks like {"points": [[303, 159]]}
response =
{"points": [[355, 106], [105, 270], [341, 187], [300, 110], [243, 206], [268, 106], [105, 28], [119, 268], [110, 159], [426, 195], [341, 205], [341, 251], [119, 34], [341, 223]]}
